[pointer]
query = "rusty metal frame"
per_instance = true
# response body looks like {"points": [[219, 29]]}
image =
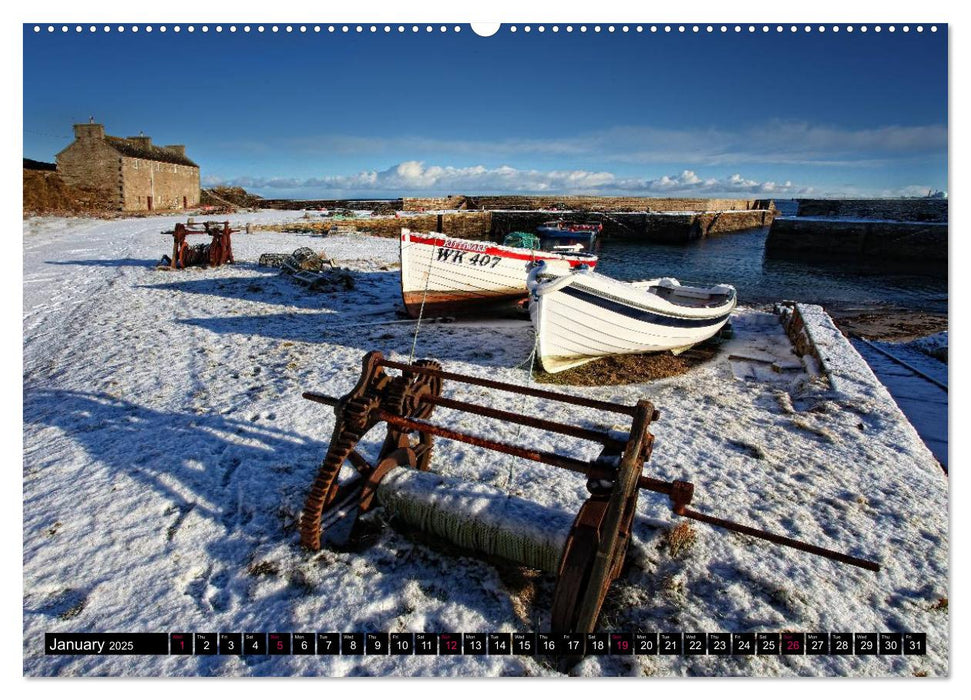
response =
{"points": [[220, 250]]}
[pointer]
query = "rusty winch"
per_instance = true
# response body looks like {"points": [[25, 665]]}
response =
{"points": [[219, 250], [590, 553]]}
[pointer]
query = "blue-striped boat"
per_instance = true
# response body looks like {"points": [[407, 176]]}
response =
{"points": [[583, 315]]}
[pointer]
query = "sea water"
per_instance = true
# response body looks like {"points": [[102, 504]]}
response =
{"points": [[739, 259]]}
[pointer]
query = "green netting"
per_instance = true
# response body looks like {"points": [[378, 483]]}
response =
{"points": [[521, 239]]}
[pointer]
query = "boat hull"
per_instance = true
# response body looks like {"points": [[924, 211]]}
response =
{"points": [[578, 323], [442, 275]]}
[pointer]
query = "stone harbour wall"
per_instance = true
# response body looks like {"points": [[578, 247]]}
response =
{"points": [[679, 227], [384, 206], [883, 209], [433, 203], [471, 225], [493, 217], [582, 203], [833, 238]]}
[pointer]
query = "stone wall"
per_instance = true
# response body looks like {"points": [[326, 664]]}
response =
{"points": [[433, 203], [91, 163], [884, 209], [527, 203], [833, 238], [45, 192], [474, 225], [655, 227], [495, 225], [169, 185], [384, 206]]}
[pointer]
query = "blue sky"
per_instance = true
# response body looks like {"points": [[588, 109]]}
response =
{"points": [[379, 115]]}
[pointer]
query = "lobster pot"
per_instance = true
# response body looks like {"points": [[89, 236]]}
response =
{"points": [[477, 517]]}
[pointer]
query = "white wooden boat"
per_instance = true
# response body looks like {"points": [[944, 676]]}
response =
{"points": [[456, 276], [582, 315]]}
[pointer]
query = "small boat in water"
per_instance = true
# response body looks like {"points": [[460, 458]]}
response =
{"points": [[581, 315], [567, 233], [447, 275]]}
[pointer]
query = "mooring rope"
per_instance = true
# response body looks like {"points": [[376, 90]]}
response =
{"points": [[522, 409], [421, 310]]}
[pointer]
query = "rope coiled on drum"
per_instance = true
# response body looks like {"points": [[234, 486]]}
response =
{"points": [[477, 517]]}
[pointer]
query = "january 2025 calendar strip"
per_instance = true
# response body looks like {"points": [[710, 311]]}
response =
{"points": [[488, 644]]}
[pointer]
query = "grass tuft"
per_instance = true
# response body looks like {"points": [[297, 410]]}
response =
{"points": [[681, 538]]}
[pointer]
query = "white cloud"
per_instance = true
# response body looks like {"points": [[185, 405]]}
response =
{"points": [[416, 178]]}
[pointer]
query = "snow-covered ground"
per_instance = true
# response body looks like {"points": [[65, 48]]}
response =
{"points": [[167, 453]]}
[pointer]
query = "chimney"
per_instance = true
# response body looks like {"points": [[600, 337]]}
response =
{"points": [[176, 148], [142, 141], [89, 131]]}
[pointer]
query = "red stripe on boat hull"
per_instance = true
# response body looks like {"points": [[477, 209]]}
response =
{"points": [[488, 249]]}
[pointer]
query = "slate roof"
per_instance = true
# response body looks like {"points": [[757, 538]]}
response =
{"points": [[133, 150]]}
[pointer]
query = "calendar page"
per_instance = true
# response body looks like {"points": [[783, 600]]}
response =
{"points": [[533, 349]]}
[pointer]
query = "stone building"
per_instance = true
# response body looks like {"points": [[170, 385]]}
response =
{"points": [[136, 175]]}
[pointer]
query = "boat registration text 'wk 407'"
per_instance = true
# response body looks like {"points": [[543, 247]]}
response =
{"points": [[459, 256]]}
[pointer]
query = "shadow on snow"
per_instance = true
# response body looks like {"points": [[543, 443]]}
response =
{"points": [[250, 481]]}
